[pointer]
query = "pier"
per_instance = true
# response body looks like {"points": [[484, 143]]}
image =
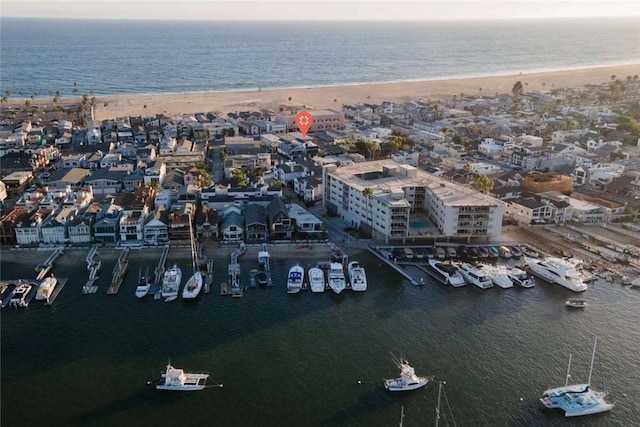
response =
{"points": [[44, 268], [395, 267], [234, 273], [208, 278], [93, 267], [118, 272], [161, 266]]}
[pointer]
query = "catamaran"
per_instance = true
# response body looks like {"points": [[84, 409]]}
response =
{"points": [[579, 399]]}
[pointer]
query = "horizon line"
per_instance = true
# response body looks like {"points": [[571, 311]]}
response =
{"points": [[501, 19]]}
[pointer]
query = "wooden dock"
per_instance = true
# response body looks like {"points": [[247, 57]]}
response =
{"points": [[119, 271], [161, 266], [208, 279]]}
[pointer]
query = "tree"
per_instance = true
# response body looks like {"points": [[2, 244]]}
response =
{"points": [[482, 183], [223, 158], [204, 176], [239, 176], [276, 183]]}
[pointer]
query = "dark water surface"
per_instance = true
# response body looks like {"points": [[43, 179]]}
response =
{"points": [[310, 359]]}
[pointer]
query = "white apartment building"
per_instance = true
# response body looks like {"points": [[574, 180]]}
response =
{"points": [[402, 196]]}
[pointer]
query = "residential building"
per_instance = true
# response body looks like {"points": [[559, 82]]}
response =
{"points": [[256, 223], [280, 225], [393, 201]]}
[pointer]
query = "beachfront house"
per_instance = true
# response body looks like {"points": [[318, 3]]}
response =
{"points": [[206, 222], [304, 221], [280, 225], [156, 228], [232, 227], [28, 225], [256, 223], [8, 225], [79, 229]]}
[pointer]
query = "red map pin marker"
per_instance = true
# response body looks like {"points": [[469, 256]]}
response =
{"points": [[304, 120]]}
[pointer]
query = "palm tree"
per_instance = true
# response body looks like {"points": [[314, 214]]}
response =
{"points": [[517, 91]]}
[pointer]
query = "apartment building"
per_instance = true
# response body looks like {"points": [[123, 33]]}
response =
{"points": [[396, 201]]}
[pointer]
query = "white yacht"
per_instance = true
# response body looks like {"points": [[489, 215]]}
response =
{"points": [[20, 297], [408, 380], [558, 270], [578, 399], [193, 286], [447, 273], [475, 276], [337, 282], [520, 277], [179, 380], [498, 275], [144, 284], [316, 279], [46, 288], [357, 276], [171, 283], [294, 279]]}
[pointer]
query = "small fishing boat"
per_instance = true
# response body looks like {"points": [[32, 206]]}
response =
{"points": [[576, 303]]}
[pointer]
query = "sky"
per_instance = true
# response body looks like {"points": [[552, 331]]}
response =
{"points": [[347, 10]]}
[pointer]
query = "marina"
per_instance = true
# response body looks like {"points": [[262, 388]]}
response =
{"points": [[388, 295], [44, 268]]}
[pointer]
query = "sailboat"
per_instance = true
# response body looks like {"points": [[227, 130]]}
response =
{"points": [[579, 399], [439, 405], [194, 285]]}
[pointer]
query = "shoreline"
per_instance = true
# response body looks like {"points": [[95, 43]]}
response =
{"points": [[335, 96]]}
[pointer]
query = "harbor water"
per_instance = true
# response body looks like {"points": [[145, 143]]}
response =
{"points": [[309, 359]]}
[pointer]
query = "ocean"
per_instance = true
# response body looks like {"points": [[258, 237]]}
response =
{"points": [[310, 359], [106, 57]]}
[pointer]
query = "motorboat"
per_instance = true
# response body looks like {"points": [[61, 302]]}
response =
{"points": [[447, 273], [171, 283], [579, 399], [294, 279], [475, 276], [494, 252], [529, 252], [483, 252], [473, 253], [515, 252], [357, 276], [194, 284], [144, 284], [451, 252], [408, 380], [504, 252], [498, 275], [337, 282], [6, 292], [46, 288], [262, 279], [178, 380], [316, 279], [20, 297], [635, 283], [576, 303], [564, 272], [520, 277]]}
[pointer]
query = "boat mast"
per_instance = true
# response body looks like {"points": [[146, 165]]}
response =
{"points": [[193, 250], [400, 424], [566, 382], [593, 356], [438, 406]]}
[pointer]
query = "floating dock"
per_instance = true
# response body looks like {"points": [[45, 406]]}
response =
{"points": [[118, 272], [395, 267], [208, 278], [235, 288], [161, 266], [89, 287], [44, 268]]}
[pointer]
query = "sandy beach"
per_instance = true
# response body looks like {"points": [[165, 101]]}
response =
{"points": [[336, 96]]}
